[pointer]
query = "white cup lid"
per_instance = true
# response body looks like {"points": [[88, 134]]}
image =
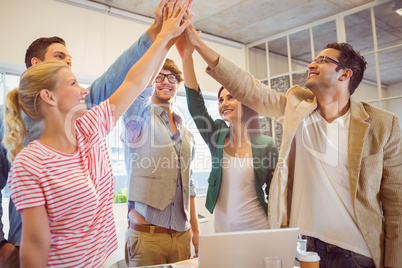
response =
{"points": [[308, 256]]}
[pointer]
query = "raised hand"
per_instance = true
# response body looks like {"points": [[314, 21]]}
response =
{"points": [[159, 13], [160, 8], [190, 80], [173, 23], [184, 48], [193, 36], [207, 53], [190, 3], [155, 28]]}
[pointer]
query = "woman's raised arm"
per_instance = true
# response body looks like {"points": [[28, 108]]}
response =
{"points": [[143, 71]]}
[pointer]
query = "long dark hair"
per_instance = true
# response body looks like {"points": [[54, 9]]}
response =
{"points": [[249, 117]]}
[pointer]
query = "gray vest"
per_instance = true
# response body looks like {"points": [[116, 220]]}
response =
{"points": [[155, 166]]}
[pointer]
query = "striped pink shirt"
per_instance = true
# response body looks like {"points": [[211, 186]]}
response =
{"points": [[76, 189]]}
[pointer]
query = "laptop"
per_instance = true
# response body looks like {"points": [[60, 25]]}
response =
{"points": [[247, 249]]}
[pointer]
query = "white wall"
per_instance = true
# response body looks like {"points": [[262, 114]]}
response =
{"points": [[94, 39]]}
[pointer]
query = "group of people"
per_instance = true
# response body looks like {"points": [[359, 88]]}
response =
{"points": [[336, 175]]}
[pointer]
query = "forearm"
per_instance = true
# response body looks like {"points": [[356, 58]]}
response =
{"points": [[153, 31], [139, 76], [246, 89], [190, 79], [156, 29], [33, 254], [202, 119], [103, 87], [35, 240], [5, 252], [210, 56], [195, 227]]}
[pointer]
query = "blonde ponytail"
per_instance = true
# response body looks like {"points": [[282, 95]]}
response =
{"points": [[26, 98], [15, 128]]}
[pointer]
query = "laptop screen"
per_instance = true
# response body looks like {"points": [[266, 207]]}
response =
{"points": [[247, 248]]}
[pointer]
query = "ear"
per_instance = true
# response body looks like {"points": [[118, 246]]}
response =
{"points": [[47, 97], [35, 61], [346, 74]]}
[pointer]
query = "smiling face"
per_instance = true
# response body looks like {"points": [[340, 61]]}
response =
{"points": [[324, 75], [165, 91], [69, 95], [229, 108]]}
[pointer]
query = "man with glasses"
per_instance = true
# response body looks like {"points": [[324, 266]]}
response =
{"points": [[161, 193], [339, 172]]}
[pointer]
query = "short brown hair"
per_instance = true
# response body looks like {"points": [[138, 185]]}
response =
{"points": [[171, 66], [38, 48]]}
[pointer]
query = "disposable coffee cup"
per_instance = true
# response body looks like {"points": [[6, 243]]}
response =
{"points": [[309, 259]]}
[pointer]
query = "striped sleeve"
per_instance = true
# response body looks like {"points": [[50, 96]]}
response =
{"points": [[98, 120], [24, 181]]}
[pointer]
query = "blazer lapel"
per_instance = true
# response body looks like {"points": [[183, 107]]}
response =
{"points": [[224, 131], [358, 130], [293, 119], [259, 152]]}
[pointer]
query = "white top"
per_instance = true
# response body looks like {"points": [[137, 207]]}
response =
{"points": [[76, 190], [321, 202], [238, 207]]}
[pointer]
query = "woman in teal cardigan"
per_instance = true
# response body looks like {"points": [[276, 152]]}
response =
{"points": [[243, 160]]}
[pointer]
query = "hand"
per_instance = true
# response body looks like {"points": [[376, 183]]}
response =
{"points": [[195, 244], [157, 25], [193, 36], [190, 3], [173, 23], [5, 252], [159, 13], [183, 47]]}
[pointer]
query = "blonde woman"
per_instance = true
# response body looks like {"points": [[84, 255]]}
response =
{"points": [[62, 183]]}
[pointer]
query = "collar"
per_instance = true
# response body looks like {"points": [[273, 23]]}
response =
{"points": [[163, 113]]}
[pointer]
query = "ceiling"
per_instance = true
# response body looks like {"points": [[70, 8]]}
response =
{"points": [[252, 20]]}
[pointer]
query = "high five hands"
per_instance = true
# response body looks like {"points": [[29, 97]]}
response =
{"points": [[174, 22]]}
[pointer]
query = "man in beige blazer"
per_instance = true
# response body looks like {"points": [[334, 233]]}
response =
{"points": [[339, 175]]}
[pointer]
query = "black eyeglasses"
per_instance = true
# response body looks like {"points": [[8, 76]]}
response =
{"points": [[171, 78], [323, 59]]}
